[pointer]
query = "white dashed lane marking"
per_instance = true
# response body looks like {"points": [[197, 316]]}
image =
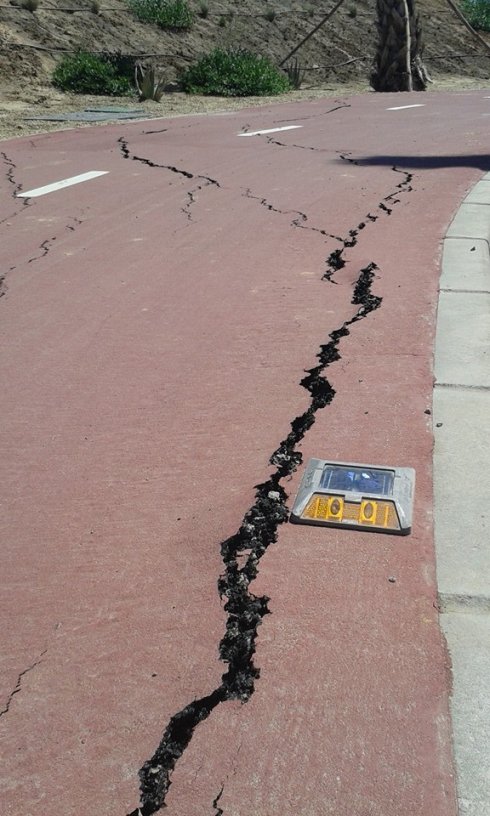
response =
{"points": [[270, 130], [404, 107], [59, 185]]}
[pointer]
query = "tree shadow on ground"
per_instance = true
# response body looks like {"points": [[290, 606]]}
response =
{"points": [[481, 162]]}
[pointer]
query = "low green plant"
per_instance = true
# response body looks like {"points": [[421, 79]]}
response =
{"points": [[222, 21], [168, 14], [123, 64], [30, 5], [270, 16], [95, 7], [147, 85], [352, 12], [295, 73], [477, 12], [87, 73], [234, 72], [203, 10]]}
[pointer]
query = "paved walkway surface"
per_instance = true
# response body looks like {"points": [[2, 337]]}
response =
{"points": [[461, 475], [157, 322]]}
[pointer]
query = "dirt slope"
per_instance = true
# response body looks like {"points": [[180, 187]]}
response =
{"points": [[336, 59], [348, 35]]}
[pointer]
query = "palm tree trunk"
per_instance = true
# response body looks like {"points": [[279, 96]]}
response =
{"points": [[398, 62]]}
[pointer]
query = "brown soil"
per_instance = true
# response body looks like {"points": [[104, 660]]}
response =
{"points": [[336, 60]]}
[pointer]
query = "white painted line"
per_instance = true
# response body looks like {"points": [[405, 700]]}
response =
{"points": [[58, 185], [271, 130], [404, 107]]}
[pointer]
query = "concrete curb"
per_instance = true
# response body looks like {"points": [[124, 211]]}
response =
{"points": [[461, 415]]}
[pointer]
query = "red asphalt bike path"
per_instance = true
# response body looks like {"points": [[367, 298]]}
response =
{"points": [[155, 331]]}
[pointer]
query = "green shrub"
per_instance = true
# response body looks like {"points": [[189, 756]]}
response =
{"points": [[123, 64], [477, 13], [87, 73], [234, 72], [170, 14], [203, 10]]}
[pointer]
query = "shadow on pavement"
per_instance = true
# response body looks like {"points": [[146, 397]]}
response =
{"points": [[482, 162]]}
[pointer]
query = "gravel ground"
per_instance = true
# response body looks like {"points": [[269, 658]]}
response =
{"points": [[17, 106]]}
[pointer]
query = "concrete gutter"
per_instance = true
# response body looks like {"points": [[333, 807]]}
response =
{"points": [[461, 414]]}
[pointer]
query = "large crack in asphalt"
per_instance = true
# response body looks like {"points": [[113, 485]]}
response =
{"points": [[241, 555], [336, 260], [242, 552]]}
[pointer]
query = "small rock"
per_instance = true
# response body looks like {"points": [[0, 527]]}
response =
{"points": [[427, 411], [273, 494], [438, 424], [392, 579]]}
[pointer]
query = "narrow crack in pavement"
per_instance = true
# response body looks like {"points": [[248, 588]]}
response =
{"points": [[11, 167], [150, 132], [192, 198], [45, 247], [273, 141], [219, 811], [313, 115], [300, 221], [124, 147], [18, 685]]}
